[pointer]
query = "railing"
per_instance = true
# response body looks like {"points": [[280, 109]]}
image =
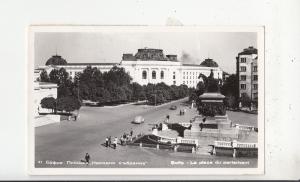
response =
{"points": [[223, 144], [166, 139], [245, 127], [188, 141], [185, 124], [247, 145], [235, 144], [177, 140]]}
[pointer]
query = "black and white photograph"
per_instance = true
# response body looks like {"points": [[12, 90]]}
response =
{"points": [[187, 99]]}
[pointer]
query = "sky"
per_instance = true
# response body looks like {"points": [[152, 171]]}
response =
{"points": [[95, 47]]}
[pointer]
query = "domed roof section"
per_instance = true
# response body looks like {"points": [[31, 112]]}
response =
{"points": [[209, 63], [56, 60]]}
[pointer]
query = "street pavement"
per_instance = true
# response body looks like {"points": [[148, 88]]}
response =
{"points": [[71, 140]]}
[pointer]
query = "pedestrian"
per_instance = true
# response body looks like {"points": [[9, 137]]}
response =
{"points": [[87, 158], [115, 142], [204, 119], [109, 141], [106, 142], [201, 126], [121, 140], [131, 132]]}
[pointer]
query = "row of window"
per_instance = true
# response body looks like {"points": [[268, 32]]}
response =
{"points": [[243, 77], [243, 60], [190, 77], [244, 86], [162, 75], [189, 82], [190, 73], [244, 68]]}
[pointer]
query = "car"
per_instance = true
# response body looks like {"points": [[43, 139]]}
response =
{"points": [[173, 107], [138, 120]]}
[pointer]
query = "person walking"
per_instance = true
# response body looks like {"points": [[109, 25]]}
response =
{"points": [[201, 126], [168, 118], [115, 142], [131, 132], [106, 142], [87, 158], [109, 141]]}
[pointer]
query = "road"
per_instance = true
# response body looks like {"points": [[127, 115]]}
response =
{"points": [[69, 141]]}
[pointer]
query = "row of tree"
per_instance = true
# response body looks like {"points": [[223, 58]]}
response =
{"points": [[112, 87], [62, 104]]}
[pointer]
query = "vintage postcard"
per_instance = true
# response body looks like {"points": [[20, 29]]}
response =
{"points": [[145, 100]]}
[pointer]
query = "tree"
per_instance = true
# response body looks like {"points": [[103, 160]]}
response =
{"points": [[231, 101], [118, 76], [49, 103], [44, 76], [59, 76], [245, 100], [103, 96], [68, 104], [230, 89], [137, 91]]}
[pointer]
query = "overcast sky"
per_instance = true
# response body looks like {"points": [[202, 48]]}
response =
{"points": [[109, 47]]}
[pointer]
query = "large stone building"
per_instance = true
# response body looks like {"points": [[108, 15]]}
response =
{"points": [[148, 66], [246, 69]]}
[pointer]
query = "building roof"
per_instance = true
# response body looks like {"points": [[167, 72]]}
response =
{"points": [[56, 60], [209, 63], [147, 54], [92, 64], [248, 51]]}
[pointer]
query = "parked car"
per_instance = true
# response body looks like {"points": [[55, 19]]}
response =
{"points": [[173, 107], [138, 120]]}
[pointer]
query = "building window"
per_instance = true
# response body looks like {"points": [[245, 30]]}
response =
{"points": [[174, 77], [255, 86], [183, 82], [153, 74], [183, 77], [174, 82], [255, 95], [243, 60], [144, 75], [255, 68], [255, 77], [244, 95], [162, 75], [243, 77], [243, 68], [243, 86]]}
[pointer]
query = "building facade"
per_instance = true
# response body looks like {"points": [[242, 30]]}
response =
{"points": [[150, 66], [246, 63]]}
